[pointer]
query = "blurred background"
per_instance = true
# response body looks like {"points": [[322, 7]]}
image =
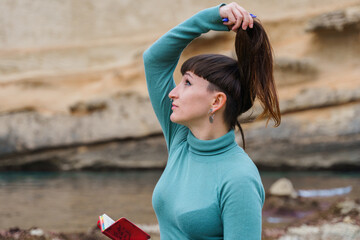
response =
{"points": [[78, 137]]}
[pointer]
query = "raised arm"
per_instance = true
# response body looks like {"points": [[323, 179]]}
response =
{"points": [[161, 58]]}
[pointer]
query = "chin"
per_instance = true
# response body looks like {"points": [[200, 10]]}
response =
{"points": [[176, 120], [173, 119]]}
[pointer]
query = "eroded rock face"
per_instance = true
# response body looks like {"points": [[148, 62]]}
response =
{"points": [[144, 153], [289, 71], [336, 20], [86, 107], [317, 138], [119, 117]]}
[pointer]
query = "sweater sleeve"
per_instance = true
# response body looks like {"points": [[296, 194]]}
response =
{"points": [[161, 58], [241, 202]]}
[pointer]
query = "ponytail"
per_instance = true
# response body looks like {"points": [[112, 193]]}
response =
{"points": [[255, 63], [250, 77]]}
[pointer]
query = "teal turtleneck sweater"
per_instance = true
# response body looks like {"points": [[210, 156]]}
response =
{"points": [[210, 189]]}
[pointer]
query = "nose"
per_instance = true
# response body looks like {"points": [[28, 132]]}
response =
{"points": [[173, 93]]}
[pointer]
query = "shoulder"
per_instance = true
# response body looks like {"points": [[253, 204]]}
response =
{"points": [[239, 173], [238, 164]]}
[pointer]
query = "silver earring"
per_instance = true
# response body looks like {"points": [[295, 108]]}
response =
{"points": [[212, 116]]}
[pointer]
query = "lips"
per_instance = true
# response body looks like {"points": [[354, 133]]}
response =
{"points": [[173, 106]]}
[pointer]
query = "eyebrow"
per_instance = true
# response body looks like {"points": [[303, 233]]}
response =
{"points": [[188, 74]]}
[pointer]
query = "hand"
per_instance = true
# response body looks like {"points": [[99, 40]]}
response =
{"points": [[236, 15]]}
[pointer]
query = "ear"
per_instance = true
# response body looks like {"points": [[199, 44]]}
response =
{"points": [[219, 101]]}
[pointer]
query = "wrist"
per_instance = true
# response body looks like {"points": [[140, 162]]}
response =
{"points": [[221, 12]]}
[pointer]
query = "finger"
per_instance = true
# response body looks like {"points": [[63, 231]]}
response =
{"points": [[238, 17], [231, 17], [227, 23], [246, 18], [251, 23]]}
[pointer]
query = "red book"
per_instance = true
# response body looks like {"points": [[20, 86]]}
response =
{"points": [[121, 229]]}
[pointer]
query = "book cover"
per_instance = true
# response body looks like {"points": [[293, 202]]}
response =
{"points": [[121, 229]]}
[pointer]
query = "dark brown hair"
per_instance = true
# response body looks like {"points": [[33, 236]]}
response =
{"points": [[250, 77]]}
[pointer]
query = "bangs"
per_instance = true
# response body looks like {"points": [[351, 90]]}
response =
{"points": [[220, 70], [209, 66]]}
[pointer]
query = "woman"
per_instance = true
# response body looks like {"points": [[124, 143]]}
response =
{"points": [[210, 188]]}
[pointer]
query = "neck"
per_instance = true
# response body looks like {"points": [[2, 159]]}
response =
{"points": [[209, 130]]}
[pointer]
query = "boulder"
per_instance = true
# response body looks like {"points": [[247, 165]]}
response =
{"points": [[282, 187], [348, 206]]}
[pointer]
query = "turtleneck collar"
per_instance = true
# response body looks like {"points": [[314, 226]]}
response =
{"points": [[211, 147]]}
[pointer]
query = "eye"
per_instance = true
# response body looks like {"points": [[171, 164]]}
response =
{"points": [[187, 83]]}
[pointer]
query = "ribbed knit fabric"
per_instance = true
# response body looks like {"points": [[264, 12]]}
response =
{"points": [[210, 189]]}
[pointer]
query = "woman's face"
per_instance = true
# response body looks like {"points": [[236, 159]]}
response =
{"points": [[191, 100]]}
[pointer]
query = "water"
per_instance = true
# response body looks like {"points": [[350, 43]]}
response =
{"points": [[72, 202]]}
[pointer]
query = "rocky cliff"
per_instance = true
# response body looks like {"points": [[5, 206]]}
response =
{"points": [[73, 93]]}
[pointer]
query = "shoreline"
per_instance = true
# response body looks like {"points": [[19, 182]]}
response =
{"points": [[340, 219]]}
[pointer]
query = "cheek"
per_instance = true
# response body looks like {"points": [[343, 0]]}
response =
{"points": [[198, 104]]}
